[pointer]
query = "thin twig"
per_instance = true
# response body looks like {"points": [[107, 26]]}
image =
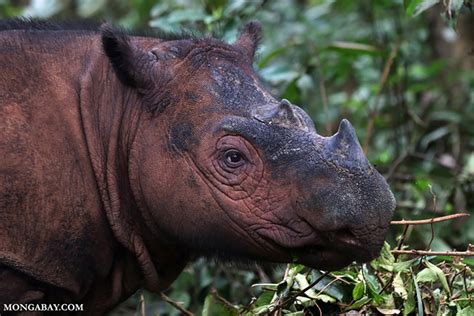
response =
{"points": [[428, 247], [455, 276], [336, 279], [319, 308], [375, 109], [176, 305], [142, 304], [403, 237], [220, 298], [433, 195], [429, 220], [415, 252], [465, 284]]}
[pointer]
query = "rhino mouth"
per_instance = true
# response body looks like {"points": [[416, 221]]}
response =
{"points": [[340, 249], [328, 249]]}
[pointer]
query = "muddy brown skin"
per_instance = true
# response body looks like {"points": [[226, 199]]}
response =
{"points": [[125, 157]]}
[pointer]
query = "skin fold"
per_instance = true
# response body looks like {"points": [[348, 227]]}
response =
{"points": [[125, 157]]}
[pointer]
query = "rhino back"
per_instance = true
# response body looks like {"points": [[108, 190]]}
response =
{"points": [[48, 197]]}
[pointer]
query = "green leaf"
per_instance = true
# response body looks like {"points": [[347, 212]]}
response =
{"points": [[422, 184], [264, 309], [358, 291], [416, 7], [410, 303], [264, 299], [303, 283], [399, 287], [404, 266], [214, 307], [440, 275], [418, 294], [295, 269], [372, 284], [359, 303], [338, 290], [410, 6], [468, 311], [283, 289], [385, 261], [325, 298], [469, 261], [426, 275]]}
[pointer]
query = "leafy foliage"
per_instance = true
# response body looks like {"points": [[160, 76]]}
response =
{"points": [[402, 72]]}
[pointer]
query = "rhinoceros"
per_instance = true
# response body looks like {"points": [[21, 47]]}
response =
{"points": [[124, 157]]}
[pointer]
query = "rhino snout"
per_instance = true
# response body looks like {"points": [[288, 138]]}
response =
{"points": [[351, 229], [347, 201], [353, 211]]}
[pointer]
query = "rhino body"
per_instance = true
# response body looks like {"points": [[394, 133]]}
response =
{"points": [[124, 157]]}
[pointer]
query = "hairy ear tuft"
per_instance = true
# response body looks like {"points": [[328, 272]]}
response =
{"points": [[126, 59], [250, 38]]}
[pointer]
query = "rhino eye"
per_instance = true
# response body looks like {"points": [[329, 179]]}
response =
{"points": [[233, 158]]}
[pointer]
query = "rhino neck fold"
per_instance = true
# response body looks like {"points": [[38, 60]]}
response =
{"points": [[110, 114]]}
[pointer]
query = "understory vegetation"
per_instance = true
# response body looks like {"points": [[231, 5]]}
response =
{"points": [[403, 73]]}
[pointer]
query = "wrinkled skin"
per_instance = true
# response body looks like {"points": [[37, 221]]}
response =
{"points": [[126, 157]]}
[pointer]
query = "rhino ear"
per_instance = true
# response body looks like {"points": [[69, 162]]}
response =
{"points": [[127, 59], [249, 38]]}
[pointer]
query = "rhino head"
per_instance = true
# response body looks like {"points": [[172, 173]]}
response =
{"points": [[222, 168]]}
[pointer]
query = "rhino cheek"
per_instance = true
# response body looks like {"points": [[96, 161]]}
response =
{"points": [[262, 225]]}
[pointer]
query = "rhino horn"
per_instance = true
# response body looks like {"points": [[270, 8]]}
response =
{"points": [[284, 114], [345, 149]]}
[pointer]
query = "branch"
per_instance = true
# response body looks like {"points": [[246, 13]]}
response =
{"points": [[221, 299], [429, 220], [176, 305], [415, 252]]}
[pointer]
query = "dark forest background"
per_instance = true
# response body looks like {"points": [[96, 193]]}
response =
{"points": [[403, 73]]}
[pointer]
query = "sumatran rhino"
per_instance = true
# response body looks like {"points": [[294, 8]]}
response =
{"points": [[124, 157]]}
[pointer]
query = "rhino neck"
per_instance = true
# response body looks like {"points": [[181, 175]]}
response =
{"points": [[110, 114]]}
